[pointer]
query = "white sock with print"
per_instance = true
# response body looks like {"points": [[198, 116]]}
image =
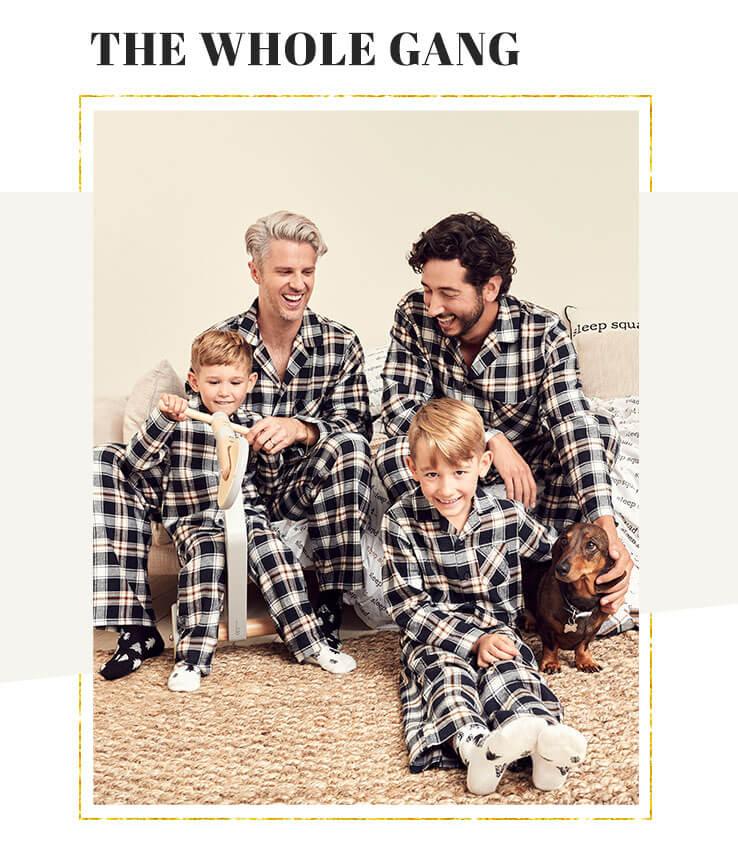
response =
{"points": [[332, 660]]}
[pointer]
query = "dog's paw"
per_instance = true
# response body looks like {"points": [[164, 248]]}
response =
{"points": [[585, 663], [550, 667]]}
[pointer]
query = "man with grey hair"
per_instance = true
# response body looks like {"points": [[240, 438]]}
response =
{"points": [[314, 402], [312, 456]]}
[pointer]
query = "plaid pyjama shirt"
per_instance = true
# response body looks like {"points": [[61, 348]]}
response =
{"points": [[325, 383], [183, 455], [525, 384], [329, 482], [445, 589]]}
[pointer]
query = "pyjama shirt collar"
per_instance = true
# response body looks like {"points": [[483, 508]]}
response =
{"points": [[308, 337], [506, 330], [482, 505]]}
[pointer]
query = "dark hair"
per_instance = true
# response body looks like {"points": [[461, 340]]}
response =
{"points": [[477, 243]]}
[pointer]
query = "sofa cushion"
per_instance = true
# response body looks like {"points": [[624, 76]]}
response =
{"points": [[607, 351], [144, 397], [608, 364]]}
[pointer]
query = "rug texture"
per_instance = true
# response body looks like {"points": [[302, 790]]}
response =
{"points": [[263, 729]]}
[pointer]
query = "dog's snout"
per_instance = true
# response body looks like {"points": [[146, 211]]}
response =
{"points": [[562, 568]]}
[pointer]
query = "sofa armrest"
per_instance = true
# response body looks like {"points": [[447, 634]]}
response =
{"points": [[108, 420]]}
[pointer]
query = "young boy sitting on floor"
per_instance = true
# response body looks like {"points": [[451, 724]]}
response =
{"points": [[469, 684], [176, 457]]}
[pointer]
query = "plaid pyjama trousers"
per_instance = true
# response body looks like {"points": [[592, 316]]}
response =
{"points": [[125, 502], [324, 385], [330, 485], [443, 693]]}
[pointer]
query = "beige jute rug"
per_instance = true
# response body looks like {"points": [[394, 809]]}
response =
{"points": [[263, 729]]}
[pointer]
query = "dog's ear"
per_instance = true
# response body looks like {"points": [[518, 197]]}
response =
{"points": [[602, 587], [609, 562], [558, 548]]}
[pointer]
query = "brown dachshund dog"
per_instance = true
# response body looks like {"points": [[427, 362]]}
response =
{"points": [[567, 609]]}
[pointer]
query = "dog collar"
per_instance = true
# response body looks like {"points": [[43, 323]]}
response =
{"points": [[575, 615]]}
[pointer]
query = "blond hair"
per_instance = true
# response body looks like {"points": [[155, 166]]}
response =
{"points": [[450, 427], [282, 226], [220, 346]]}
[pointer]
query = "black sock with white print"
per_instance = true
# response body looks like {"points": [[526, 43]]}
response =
{"points": [[135, 645], [330, 615]]}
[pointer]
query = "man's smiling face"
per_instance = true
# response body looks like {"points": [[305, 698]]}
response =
{"points": [[455, 304], [285, 276]]}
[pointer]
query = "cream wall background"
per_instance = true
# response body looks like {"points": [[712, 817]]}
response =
{"points": [[175, 191]]}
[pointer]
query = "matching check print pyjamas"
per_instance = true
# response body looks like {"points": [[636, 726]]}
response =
{"points": [[445, 589], [169, 473], [329, 483], [525, 383]]}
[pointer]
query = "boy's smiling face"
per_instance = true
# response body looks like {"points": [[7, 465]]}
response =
{"points": [[449, 486], [222, 387]]}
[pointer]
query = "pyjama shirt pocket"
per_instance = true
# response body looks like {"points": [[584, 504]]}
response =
{"points": [[509, 415], [493, 566]]}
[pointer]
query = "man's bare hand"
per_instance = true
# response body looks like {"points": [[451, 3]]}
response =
{"points": [[615, 596], [513, 470], [494, 647], [273, 434]]}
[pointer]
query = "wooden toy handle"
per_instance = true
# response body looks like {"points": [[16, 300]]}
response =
{"points": [[208, 418]]}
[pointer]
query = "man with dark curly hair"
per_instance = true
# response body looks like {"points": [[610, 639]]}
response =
{"points": [[465, 336]]}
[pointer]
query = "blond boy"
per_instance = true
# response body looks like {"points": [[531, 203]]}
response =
{"points": [[471, 690], [170, 473]]}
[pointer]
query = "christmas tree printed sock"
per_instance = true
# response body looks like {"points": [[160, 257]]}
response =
{"points": [[487, 757], [558, 749]]}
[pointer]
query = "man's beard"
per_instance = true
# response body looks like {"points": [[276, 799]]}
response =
{"points": [[468, 321]]}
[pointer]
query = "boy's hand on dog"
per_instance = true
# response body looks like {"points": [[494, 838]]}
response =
{"points": [[513, 470], [494, 647], [173, 407], [615, 597]]}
